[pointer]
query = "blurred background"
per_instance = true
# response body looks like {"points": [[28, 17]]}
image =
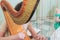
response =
{"points": [[43, 19]]}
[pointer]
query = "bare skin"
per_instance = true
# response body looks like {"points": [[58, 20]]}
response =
{"points": [[1, 34], [15, 13], [13, 37], [3, 28], [34, 34], [58, 12], [30, 28]]}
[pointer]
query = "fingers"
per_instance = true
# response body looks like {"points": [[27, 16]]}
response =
{"points": [[21, 35], [40, 37]]}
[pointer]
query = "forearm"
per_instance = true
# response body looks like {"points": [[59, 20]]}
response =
{"points": [[9, 8], [9, 38], [3, 28], [33, 32], [19, 36], [2, 34]]}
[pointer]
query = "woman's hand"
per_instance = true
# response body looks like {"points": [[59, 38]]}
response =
{"points": [[40, 37], [21, 36], [34, 34]]}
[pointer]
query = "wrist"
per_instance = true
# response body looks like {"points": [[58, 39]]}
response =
{"points": [[35, 36]]}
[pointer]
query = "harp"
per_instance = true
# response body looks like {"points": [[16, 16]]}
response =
{"points": [[14, 23]]}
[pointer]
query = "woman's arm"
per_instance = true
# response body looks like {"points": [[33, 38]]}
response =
{"points": [[2, 34], [30, 28], [34, 34], [9, 38], [3, 27], [19, 36]]}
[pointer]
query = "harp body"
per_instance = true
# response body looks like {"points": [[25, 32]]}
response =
{"points": [[13, 22]]}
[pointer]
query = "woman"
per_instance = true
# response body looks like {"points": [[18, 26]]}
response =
{"points": [[5, 4], [21, 36], [56, 34], [57, 19]]}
